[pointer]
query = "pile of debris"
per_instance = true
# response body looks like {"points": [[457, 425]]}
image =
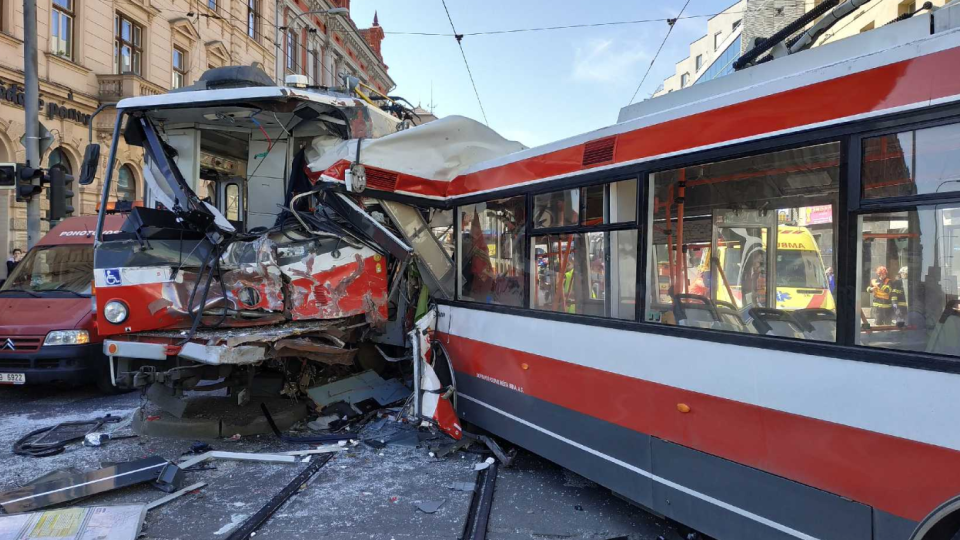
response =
{"points": [[359, 412]]}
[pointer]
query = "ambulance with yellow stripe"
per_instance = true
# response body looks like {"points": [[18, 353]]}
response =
{"points": [[800, 273]]}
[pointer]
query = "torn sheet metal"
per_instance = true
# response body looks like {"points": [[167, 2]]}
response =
{"points": [[433, 405], [426, 157], [65, 489], [333, 285], [175, 495], [236, 456], [91, 523], [367, 385]]}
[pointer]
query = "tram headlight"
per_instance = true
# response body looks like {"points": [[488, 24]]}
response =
{"points": [[115, 311]]}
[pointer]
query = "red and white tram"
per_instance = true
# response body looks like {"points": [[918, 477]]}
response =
{"points": [[636, 303]]}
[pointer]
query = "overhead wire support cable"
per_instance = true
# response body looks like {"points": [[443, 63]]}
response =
{"points": [[459, 38], [672, 23]]}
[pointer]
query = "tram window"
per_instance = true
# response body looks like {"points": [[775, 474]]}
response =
{"points": [[600, 204], [911, 163], [588, 273], [744, 245], [491, 251], [908, 275]]}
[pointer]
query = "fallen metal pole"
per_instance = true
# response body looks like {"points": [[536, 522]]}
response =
{"points": [[251, 525], [475, 528]]}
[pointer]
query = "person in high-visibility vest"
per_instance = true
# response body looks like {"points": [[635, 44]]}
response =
{"points": [[898, 295], [882, 291]]}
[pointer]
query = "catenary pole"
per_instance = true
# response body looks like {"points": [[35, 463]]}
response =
{"points": [[31, 109]]}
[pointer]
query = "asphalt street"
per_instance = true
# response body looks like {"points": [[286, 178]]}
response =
{"points": [[362, 493]]}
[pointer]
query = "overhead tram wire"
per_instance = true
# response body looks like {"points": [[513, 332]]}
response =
{"points": [[459, 38], [662, 43], [564, 27]]}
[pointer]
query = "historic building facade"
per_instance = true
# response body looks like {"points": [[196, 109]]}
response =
{"points": [[96, 52]]}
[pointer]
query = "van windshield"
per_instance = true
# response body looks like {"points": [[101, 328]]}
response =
{"points": [[54, 268], [800, 269]]}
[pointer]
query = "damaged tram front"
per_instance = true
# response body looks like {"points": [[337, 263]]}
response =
{"points": [[238, 263]]}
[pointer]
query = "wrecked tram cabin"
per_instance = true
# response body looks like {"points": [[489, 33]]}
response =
{"points": [[238, 261]]}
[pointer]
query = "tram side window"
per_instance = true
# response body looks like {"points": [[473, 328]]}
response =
{"points": [[581, 270], [747, 245], [491, 251], [913, 162], [909, 270]]}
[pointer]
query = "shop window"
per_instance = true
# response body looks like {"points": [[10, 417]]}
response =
{"points": [[914, 162], [128, 46], [126, 184], [59, 159], [747, 245], [581, 270], [253, 19], [179, 68], [491, 251], [61, 28], [908, 275]]}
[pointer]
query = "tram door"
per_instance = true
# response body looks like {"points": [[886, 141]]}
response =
{"points": [[743, 258], [231, 201]]}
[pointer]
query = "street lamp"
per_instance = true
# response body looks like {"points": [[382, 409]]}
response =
{"points": [[325, 12]]}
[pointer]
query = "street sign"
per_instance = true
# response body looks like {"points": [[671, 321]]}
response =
{"points": [[46, 140]]}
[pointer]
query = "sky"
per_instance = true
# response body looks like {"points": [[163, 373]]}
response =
{"points": [[536, 87]]}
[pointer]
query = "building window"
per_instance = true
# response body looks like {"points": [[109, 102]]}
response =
{"points": [[253, 19], [699, 62], [684, 80], [905, 7], [867, 28], [291, 49], [179, 68], [492, 259], [126, 184], [212, 4], [581, 269], [59, 159], [61, 28], [717, 40], [128, 46], [736, 24], [747, 245]]}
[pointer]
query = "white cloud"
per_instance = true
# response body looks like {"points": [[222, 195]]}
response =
{"points": [[605, 60]]}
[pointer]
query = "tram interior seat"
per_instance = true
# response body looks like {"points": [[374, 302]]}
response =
{"points": [[818, 323], [945, 338], [776, 322], [701, 312]]}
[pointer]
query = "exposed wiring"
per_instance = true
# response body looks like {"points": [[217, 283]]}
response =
{"points": [[672, 23], [459, 38]]}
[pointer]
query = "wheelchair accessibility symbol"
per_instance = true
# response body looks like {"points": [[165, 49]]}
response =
{"points": [[113, 276]]}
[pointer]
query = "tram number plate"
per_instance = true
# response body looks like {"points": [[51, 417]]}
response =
{"points": [[12, 378]]}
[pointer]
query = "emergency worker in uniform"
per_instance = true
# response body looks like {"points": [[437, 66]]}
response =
{"points": [[898, 296], [882, 290]]}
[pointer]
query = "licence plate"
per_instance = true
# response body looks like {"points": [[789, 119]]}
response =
{"points": [[12, 378]]}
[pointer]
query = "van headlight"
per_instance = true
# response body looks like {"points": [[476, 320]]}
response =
{"points": [[115, 311], [67, 337]]}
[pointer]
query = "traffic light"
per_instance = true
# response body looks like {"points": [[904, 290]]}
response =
{"points": [[8, 175], [26, 189], [59, 194]]}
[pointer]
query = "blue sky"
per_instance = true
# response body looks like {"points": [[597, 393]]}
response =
{"points": [[536, 87]]}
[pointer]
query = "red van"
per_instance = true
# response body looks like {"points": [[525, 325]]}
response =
{"points": [[48, 327]]}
